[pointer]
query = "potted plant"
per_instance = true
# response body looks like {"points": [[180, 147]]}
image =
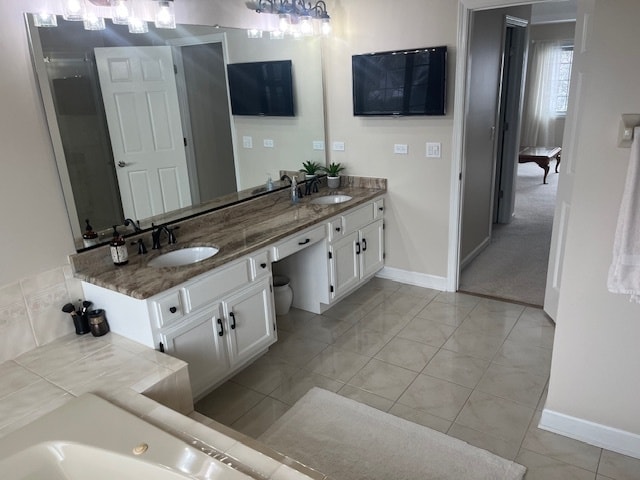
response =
{"points": [[310, 168], [333, 174]]}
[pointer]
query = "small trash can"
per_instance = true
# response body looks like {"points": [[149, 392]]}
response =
{"points": [[282, 293]]}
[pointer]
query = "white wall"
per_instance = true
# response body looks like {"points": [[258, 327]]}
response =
{"points": [[418, 208], [596, 358]]}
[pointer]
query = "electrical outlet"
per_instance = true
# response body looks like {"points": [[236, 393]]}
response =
{"points": [[268, 143], [338, 146], [247, 142], [434, 150], [401, 148], [318, 145]]}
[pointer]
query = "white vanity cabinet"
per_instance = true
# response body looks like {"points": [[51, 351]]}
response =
{"points": [[217, 322], [357, 249]]}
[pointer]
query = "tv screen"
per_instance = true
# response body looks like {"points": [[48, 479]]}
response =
{"points": [[261, 88], [407, 82]]}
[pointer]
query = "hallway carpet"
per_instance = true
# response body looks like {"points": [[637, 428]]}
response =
{"points": [[514, 265]]}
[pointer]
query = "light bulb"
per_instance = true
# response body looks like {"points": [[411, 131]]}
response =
{"points": [[165, 17], [325, 27], [254, 33], [137, 25], [93, 22], [73, 10], [45, 19], [120, 12], [284, 22], [305, 25]]}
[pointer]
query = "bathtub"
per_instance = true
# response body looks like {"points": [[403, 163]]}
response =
{"points": [[90, 438]]}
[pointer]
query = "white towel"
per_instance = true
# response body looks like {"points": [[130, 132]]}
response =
{"points": [[624, 273]]}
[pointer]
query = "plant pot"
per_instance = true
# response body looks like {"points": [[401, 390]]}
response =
{"points": [[333, 182], [308, 176]]}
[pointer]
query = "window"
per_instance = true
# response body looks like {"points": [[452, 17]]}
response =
{"points": [[562, 78]]}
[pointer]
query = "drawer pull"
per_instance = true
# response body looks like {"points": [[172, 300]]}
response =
{"points": [[173, 309], [221, 331], [357, 248], [364, 244], [263, 265], [233, 320], [305, 242], [381, 208]]}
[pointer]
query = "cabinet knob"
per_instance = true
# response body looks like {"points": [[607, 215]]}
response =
{"points": [[381, 208], [173, 309], [263, 265], [338, 229]]}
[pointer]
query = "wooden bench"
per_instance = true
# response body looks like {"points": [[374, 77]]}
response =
{"points": [[542, 156]]}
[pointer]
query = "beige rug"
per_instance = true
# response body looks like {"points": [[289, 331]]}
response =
{"points": [[348, 440]]}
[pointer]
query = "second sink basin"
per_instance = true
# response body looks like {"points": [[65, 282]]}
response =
{"points": [[183, 256], [331, 199]]}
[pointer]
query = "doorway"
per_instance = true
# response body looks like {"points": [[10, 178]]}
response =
{"points": [[515, 270]]}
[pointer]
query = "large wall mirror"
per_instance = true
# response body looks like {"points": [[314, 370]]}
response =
{"points": [[141, 123]]}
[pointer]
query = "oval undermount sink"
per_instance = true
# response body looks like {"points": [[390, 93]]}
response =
{"points": [[331, 199], [183, 256]]}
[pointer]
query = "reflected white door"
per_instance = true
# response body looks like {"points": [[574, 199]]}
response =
{"points": [[141, 103]]}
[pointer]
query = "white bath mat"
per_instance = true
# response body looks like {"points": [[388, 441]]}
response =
{"points": [[348, 440]]}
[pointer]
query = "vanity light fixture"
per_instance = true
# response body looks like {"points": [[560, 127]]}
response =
{"points": [[295, 17], [122, 12]]}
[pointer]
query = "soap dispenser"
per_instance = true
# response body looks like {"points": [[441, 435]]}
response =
{"points": [[118, 246], [89, 237], [295, 197], [269, 183]]}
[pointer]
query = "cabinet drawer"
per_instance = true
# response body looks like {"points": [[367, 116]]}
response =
{"points": [[204, 290], [169, 309], [335, 229], [378, 208], [358, 218], [260, 265], [298, 242]]}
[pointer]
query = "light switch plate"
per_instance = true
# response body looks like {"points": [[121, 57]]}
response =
{"points": [[268, 143], [247, 142], [318, 145], [401, 148], [434, 150], [338, 146]]}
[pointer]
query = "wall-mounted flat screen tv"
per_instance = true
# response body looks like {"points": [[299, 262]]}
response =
{"points": [[261, 88], [406, 82]]}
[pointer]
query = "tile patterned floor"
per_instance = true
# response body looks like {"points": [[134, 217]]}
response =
{"points": [[474, 368]]}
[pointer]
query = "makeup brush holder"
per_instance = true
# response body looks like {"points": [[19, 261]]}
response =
{"points": [[81, 322]]}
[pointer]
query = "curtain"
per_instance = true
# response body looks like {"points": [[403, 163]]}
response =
{"points": [[538, 127]]}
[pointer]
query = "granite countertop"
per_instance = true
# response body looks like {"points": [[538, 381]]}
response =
{"points": [[236, 231]]}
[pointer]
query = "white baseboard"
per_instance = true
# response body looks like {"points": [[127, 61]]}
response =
{"points": [[413, 278], [475, 252], [602, 436]]}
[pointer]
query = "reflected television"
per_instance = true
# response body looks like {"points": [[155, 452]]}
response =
{"points": [[261, 88]]}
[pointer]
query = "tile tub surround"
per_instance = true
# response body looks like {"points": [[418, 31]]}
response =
{"points": [[236, 231], [147, 383], [30, 310]]}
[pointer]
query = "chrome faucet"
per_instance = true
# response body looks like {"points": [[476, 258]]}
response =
{"points": [[285, 177], [157, 230]]}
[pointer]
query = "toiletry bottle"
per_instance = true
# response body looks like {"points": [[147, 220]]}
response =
{"points": [[89, 237], [269, 184], [118, 246], [294, 190]]}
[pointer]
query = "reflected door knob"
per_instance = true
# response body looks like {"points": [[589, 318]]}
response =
{"points": [[122, 164]]}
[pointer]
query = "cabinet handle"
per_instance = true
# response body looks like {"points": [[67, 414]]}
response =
{"points": [[338, 229], [381, 208], [221, 331], [364, 244], [357, 248], [263, 265], [305, 242], [233, 320], [173, 309], [161, 347]]}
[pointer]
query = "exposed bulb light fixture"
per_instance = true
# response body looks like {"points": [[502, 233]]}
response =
{"points": [[92, 13], [295, 17]]}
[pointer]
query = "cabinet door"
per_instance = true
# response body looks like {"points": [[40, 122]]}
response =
{"points": [[199, 341], [344, 264], [250, 319], [371, 249]]}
